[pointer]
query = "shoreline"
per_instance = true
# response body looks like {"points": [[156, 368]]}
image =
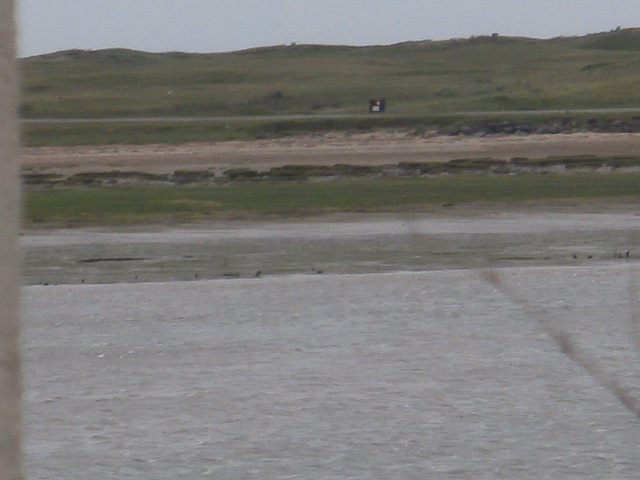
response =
{"points": [[354, 243]]}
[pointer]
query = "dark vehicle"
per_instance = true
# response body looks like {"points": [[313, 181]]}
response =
{"points": [[377, 105]]}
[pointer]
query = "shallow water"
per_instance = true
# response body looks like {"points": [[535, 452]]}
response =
{"points": [[396, 375]]}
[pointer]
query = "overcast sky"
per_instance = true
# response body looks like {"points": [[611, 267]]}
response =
{"points": [[225, 25]]}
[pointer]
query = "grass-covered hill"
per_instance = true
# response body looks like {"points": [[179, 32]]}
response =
{"points": [[416, 78]]}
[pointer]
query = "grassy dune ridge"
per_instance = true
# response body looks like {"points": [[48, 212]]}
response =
{"points": [[416, 78]]}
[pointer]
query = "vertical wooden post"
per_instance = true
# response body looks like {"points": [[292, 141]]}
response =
{"points": [[10, 445]]}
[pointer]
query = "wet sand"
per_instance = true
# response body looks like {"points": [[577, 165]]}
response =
{"points": [[465, 238]]}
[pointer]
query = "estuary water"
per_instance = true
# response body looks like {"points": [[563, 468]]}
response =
{"points": [[395, 375]]}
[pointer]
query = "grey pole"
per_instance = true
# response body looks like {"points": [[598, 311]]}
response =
{"points": [[10, 449]]}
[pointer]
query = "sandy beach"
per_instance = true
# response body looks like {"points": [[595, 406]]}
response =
{"points": [[374, 148]]}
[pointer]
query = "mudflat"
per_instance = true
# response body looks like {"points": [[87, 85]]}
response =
{"points": [[348, 243]]}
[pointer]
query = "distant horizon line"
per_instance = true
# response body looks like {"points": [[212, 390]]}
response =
{"points": [[294, 44]]}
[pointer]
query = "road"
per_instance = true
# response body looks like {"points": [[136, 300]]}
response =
{"points": [[273, 118]]}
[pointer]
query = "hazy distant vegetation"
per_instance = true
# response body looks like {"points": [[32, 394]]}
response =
{"points": [[416, 78]]}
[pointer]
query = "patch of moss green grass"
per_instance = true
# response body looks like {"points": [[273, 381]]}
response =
{"points": [[147, 205], [141, 132], [129, 134]]}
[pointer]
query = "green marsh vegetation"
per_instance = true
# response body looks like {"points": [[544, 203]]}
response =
{"points": [[298, 172], [139, 205], [142, 132]]}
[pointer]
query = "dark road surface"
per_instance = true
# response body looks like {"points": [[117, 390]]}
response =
{"points": [[218, 119]]}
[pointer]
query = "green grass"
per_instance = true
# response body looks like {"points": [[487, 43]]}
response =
{"points": [[129, 133], [416, 78], [108, 206], [140, 132]]}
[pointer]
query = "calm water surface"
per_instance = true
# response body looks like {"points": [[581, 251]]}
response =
{"points": [[376, 376]]}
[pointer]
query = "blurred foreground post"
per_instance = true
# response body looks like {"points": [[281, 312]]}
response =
{"points": [[10, 451]]}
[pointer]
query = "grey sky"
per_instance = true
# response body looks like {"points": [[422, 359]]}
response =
{"points": [[224, 25]]}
